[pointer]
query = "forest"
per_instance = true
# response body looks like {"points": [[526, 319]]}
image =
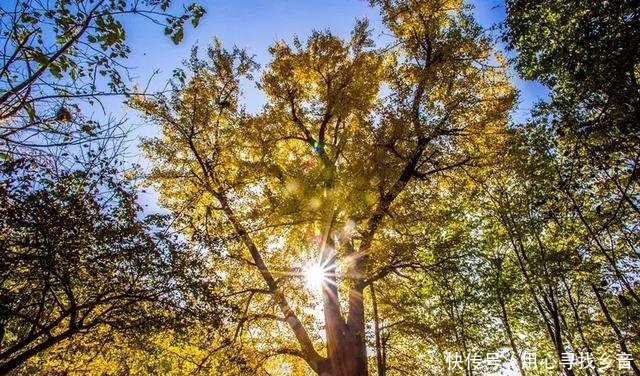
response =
{"points": [[391, 208]]}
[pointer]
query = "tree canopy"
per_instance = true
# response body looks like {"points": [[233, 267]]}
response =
{"points": [[383, 214]]}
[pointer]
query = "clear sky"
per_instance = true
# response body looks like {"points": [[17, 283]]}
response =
{"points": [[255, 25]]}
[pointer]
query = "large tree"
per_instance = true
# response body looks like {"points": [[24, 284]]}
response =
{"points": [[334, 174]]}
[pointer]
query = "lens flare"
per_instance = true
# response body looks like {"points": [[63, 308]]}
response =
{"points": [[315, 275]]}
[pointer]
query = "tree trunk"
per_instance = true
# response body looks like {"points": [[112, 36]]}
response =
{"points": [[346, 346], [552, 323], [576, 315], [512, 341], [382, 367], [614, 327], [356, 326]]}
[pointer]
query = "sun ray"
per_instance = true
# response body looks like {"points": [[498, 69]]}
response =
{"points": [[315, 275]]}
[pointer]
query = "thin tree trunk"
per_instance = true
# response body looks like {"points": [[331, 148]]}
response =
{"points": [[376, 330], [310, 355], [576, 315], [599, 245], [512, 342], [553, 327], [614, 327]]}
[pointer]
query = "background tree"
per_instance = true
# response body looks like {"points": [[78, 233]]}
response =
{"points": [[77, 257], [61, 53], [588, 57], [588, 54]]}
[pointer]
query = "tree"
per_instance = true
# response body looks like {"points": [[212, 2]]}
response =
{"points": [[57, 53], [331, 172], [77, 258], [379, 201], [588, 57], [588, 54]]}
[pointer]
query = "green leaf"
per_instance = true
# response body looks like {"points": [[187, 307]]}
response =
{"points": [[40, 58], [31, 112], [55, 70], [198, 12], [178, 36]]}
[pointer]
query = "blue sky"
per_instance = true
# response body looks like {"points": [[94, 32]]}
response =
{"points": [[256, 24]]}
